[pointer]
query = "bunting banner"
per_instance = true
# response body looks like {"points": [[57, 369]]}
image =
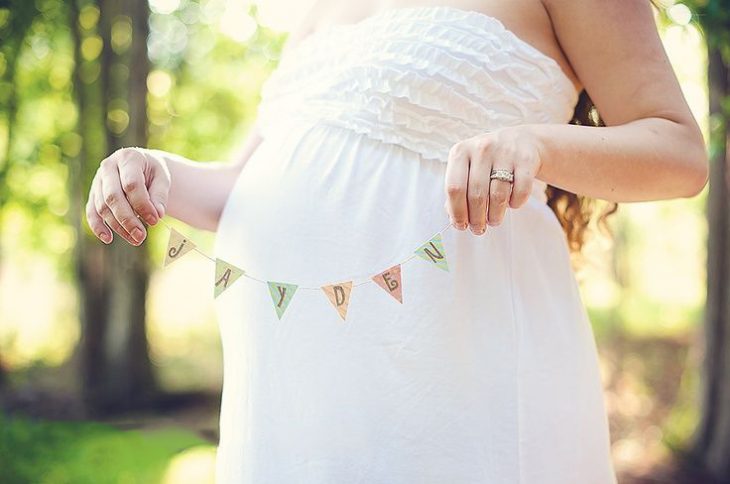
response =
{"points": [[337, 294]]}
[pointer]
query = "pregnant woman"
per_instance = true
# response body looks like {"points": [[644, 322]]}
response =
{"points": [[383, 124]]}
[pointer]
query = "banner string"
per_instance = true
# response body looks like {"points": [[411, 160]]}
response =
{"points": [[319, 288]]}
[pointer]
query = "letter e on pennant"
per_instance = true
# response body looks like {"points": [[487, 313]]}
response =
{"points": [[390, 281]]}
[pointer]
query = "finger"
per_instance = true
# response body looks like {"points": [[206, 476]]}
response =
{"points": [[499, 193], [96, 223], [115, 209], [108, 217], [132, 180], [521, 188], [478, 190], [455, 182]]}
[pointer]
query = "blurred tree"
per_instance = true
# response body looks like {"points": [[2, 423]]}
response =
{"points": [[711, 444], [16, 17], [110, 84]]}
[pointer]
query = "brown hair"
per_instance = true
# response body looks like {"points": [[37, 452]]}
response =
{"points": [[575, 211]]}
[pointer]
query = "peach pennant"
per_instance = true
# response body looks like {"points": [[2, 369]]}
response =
{"points": [[339, 296]]}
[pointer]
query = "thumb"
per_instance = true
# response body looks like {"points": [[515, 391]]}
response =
{"points": [[158, 184], [159, 188]]}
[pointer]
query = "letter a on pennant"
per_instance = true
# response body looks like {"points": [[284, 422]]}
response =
{"points": [[390, 281], [433, 251], [281, 294], [339, 296], [225, 275], [177, 246]]}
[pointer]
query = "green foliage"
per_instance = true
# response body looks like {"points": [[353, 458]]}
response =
{"points": [[47, 452]]}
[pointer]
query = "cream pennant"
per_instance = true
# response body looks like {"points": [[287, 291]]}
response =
{"points": [[390, 281], [282, 294], [339, 296], [433, 251], [177, 246], [225, 275]]}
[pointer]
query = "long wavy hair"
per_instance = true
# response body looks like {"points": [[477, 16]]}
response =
{"points": [[575, 212]]}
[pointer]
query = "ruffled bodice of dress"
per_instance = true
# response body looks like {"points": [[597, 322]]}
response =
{"points": [[423, 78]]}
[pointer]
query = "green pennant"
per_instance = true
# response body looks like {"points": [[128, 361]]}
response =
{"points": [[433, 251], [282, 294], [225, 275]]}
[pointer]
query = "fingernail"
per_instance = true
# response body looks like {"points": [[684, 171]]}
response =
{"points": [[160, 209], [105, 238], [137, 235], [151, 218]]}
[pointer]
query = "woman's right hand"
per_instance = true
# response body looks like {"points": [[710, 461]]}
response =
{"points": [[128, 183]]}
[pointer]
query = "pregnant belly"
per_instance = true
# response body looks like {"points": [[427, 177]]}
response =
{"points": [[324, 204]]}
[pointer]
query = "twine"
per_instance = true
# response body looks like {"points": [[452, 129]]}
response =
{"points": [[310, 288]]}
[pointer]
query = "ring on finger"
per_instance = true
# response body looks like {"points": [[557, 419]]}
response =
{"points": [[503, 175]]}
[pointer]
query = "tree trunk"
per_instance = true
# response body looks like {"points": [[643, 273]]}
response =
{"points": [[711, 442], [114, 357]]}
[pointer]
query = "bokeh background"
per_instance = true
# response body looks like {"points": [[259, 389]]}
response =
{"points": [[110, 365]]}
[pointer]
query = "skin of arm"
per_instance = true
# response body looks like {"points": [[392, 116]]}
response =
{"points": [[198, 191], [651, 147]]}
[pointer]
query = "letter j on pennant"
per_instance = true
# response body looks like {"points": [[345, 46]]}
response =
{"points": [[177, 246]]}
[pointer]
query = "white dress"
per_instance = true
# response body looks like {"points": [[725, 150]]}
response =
{"points": [[485, 373]]}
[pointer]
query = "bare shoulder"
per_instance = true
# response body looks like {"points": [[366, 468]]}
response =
{"points": [[616, 52]]}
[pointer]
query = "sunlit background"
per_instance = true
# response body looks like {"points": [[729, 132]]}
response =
{"points": [[645, 288]]}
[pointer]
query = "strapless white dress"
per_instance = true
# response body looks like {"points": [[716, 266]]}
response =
{"points": [[485, 373]]}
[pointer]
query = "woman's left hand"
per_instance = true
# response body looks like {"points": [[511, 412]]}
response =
{"points": [[472, 199]]}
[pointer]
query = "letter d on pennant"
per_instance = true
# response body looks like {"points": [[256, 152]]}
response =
{"points": [[339, 296]]}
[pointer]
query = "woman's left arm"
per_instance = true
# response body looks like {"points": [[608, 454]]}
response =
{"points": [[651, 147]]}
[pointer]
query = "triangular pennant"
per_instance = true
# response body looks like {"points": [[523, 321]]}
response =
{"points": [[390, 281], [339, 296], [225, 275], [177, 246], [433, 251], [281, 294]]}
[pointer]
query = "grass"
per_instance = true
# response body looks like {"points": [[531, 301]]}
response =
{"points": [[50, 452]]}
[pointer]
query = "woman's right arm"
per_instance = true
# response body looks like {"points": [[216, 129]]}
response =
{"points": [[153, 183], [200, 190]]}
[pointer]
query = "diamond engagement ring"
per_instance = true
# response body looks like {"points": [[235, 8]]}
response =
{"points": [[503, 175]]}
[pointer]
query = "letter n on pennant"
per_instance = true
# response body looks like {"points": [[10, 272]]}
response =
{"points": [[177, 246], [433, 251], [339, 296], [281, 294], [225, 275], [390, 281]]}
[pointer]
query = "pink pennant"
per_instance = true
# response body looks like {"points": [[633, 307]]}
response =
{"points": [[390, 281]]}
